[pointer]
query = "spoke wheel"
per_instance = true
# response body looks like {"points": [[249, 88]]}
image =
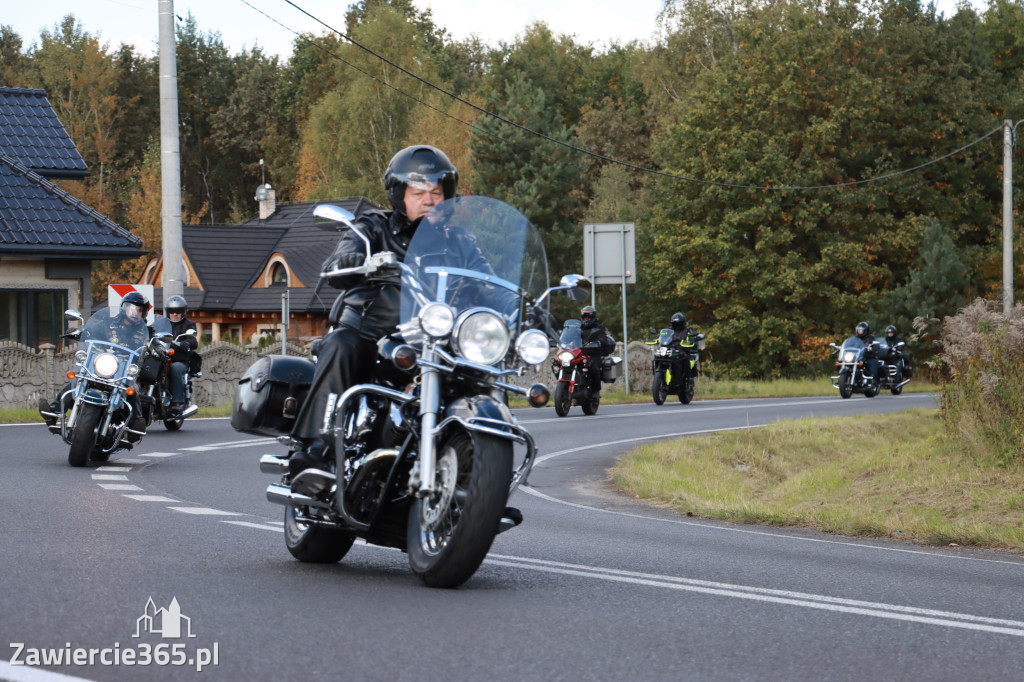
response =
{"points": [[314, 544]]}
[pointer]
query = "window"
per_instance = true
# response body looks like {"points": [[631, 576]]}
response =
{"points": [[278, 274], [32, 317]]}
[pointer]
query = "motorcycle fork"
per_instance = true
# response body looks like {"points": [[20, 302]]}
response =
{"points": [[430, 403]]}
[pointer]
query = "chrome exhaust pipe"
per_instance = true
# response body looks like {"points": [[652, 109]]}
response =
{"points": [[278, 493], [189, 411], [272, 464], [903, 383]]}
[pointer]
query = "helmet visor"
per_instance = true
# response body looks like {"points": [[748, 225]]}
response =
{"points": [[427, 181]]}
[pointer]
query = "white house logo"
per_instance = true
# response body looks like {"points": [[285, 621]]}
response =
{"points": [[168, 623]]}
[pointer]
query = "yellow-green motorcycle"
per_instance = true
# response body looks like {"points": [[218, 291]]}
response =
{"points": [[683, 356]]}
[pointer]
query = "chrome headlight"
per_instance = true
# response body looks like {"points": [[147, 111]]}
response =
{"points": [[105, 365], [532, 346], [437, 320], [482, 337], [849, 356], [565, 357], [132, 370], [80, 356]]}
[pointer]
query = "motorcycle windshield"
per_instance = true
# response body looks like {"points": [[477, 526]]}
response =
{"points": [[473, 252], [571, 336], [852, 345], [161, 325], [665, 337], [113, 328]]}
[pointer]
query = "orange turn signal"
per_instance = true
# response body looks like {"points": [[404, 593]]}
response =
{"points": [[70, 375], [130, 390]]}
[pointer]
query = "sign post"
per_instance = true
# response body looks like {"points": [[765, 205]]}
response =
{"points": [[285, 314], [609, 257]]}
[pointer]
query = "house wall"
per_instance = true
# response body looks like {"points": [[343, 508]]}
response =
{"points": [[31, 273]]}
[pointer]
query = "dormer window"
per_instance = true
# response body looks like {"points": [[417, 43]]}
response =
{"points": [[278, 274]]}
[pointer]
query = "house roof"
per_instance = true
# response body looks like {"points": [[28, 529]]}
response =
{"points": [[40, 219], [227, 259], [31, 133]]}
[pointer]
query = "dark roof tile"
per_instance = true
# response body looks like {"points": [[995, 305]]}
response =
{"points": [[31, 133]]}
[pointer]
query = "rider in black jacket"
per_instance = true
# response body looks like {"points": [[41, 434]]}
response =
{"points": [[681, 331], [592, 330], [176, 310], [863, 332], [417, 179]]}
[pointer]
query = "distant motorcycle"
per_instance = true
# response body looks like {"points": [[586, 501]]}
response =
{"points": [[851, 361], [101, 396], [155, 378], [893, 372], [667, 354], [572, 367]]}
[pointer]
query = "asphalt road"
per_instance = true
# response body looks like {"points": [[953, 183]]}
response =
{"points": [[592, 586]]}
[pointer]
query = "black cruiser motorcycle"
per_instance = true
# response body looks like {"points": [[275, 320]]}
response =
{"points": [[425, 455], [851, 360]]}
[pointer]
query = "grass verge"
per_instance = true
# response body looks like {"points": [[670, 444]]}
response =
{"points": [[893, 476]]}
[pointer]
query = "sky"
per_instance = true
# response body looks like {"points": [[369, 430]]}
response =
{"points": [[242, 26]]}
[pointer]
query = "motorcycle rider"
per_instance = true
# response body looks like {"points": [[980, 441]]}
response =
{"points": [[892, 337], [681, 333], [593, 330], [863, 332], [127, 328], [185, 355], [417, 179]]}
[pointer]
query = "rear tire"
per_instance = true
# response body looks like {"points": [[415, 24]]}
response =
{"points": [[449, 535], [590, 406], [896, 390], [83, 439], [173, 424], [314, 544], [659, 390], [562, 398]]}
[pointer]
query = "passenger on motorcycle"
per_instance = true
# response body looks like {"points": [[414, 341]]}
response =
{"points": [[892, 337], [127, 328], [863, 332], [417, 179], [185, 357], [681, 333]]}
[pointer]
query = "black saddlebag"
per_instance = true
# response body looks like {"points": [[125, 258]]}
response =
{"points": [[611, 369], [270, 394]]}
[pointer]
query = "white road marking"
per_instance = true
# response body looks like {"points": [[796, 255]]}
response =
{"points": [[151, 498], [129, 460], [118, 486], [230, 444], [159, 454], [249, 524], [204, 511], [123, 470], [109, 477], [806, 600]]}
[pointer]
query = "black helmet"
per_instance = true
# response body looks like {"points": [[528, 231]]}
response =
{"points": [[175, 304], [678, 322], [588, 316], [863, 329], [420, 166], [136, 299], [891, 331]]}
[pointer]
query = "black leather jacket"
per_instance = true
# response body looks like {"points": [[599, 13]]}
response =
{"points": [[371, 306], [187, 343], [597, 332]]}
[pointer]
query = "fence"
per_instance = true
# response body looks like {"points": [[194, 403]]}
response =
{"points": [[27, 374]]}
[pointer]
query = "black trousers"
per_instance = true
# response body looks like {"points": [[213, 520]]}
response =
{"points": [[345, 359]]}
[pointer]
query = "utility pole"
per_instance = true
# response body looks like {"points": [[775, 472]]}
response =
{"points": [[1007, 216], [173, 282]]}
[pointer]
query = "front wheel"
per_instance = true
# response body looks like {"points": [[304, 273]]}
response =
{"points": [[562, 398], [450, 533], [686, 395], [84, 437], [314, 544], [659, 389], [845, 385]]}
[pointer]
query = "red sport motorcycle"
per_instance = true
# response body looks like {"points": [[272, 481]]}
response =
{"points": [[572, 366]]}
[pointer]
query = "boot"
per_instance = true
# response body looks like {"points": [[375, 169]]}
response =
{"points": [[313, 456], [48, 411]]}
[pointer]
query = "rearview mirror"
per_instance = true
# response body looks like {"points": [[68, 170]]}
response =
{"points": [[573, 290], [325, 215], [72, 315]]}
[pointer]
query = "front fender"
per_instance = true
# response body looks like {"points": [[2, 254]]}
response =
{"points": [[483, 414]]}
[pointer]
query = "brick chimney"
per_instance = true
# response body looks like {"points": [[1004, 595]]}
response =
{"points": [[267, 197]]}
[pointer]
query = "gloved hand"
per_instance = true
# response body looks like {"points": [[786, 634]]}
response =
{"points": [[348, 260]]}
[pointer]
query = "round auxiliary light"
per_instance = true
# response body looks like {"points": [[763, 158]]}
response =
{"points": [[437, 320], [532, 346]]}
